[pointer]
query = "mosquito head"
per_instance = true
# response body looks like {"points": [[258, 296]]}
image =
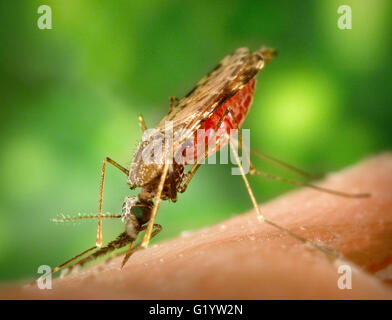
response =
{"points": [[134, 214]]}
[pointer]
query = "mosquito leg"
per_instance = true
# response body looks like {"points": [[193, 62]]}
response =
{"points": [[263, 219], [147, 235], [65, 219], [135, 248], [122, 240], [189, 176], [282, 164], [118, 166], [158, 228], [243, 174], [68, 262], [142, 124], [263, 155], [274, 160], [173, 190], [253, 171]]}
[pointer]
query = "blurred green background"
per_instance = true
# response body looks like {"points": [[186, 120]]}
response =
{"points": [[70, 96]]}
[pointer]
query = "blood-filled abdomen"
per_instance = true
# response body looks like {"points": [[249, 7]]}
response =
{"points": [[239, 104]]}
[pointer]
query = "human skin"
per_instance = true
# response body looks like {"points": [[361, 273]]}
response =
{"points": [[241, 258]]}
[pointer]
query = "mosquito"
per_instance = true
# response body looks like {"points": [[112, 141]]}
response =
{"points": [[221, 100]]}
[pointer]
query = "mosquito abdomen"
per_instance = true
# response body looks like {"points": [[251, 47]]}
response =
{"points": [[239, 104]]}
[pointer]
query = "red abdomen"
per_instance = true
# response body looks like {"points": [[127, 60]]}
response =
{"points": [[240, 104]]}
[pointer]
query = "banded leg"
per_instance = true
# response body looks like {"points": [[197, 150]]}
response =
{"points": [[100, 217]]}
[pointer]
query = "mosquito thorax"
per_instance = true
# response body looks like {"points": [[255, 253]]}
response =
{"points": [[134, 214], [149, 159], [143, 174], [147, 164]]}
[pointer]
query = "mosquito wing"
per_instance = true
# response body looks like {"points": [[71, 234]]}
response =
{"points": [[224, 81]]}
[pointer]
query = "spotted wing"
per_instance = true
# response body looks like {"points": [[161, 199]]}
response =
{"points": [[224, 81]]}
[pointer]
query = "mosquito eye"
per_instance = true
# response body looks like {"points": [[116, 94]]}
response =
{"points": [[137, 212]]}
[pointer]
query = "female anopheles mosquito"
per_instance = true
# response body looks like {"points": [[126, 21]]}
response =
{"points": [[220, 101]]}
